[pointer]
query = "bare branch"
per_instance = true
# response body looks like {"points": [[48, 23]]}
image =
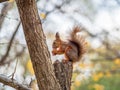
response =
{"points": [[18, 54], [5, 9], [15, 69], [9, 46], [3, 1], [13, 83]]}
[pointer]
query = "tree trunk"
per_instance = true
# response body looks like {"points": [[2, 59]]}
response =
{"points": [[37, 47], [63, 72]]}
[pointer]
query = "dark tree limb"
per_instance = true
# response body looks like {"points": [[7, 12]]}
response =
{"points": [[13, 83], [63, 72], [3, 1]]}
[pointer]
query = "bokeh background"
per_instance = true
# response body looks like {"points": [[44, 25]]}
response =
{"points": [[99, 69]]}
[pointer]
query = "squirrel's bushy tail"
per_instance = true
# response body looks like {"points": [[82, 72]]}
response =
{"points": [[78, 40]]}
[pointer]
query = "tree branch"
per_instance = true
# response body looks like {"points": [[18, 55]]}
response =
{"points": [[3, 1], [9, 46], [4, 11], [13, 83]]}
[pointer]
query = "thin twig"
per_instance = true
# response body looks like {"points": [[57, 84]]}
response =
{"points": [[4, 11], [18, 54], [15, 69], [3, 59]]}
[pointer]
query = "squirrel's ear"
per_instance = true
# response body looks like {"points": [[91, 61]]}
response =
{"points": [[57, 35]]}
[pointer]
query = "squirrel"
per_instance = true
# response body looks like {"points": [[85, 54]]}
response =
{"points": [[73, 49]]}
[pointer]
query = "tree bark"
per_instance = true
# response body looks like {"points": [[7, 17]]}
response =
{"points": [[63, 72], [36, 42]]}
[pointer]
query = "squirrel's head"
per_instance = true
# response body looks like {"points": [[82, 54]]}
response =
{"points": [[57, 42], [57, 36]]}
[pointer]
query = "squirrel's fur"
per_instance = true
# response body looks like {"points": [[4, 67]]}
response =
{"points": [[73, 49]]}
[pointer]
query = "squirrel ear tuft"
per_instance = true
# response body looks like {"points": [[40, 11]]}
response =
{"points": [[57, 35]]}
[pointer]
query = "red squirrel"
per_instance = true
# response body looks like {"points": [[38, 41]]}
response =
{"points": [[73, 49]]}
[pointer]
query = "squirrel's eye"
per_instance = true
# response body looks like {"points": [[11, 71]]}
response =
{"points": [[53, 43]]}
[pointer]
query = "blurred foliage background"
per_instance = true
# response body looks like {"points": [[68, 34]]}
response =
{"points": [[100, 67]]}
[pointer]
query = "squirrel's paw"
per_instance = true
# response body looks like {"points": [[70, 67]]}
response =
{"points": [[65, 60]]}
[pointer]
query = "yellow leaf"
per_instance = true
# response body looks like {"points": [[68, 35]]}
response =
{"points": [[30, 67], [108, 74], [117, 61], [11, 0], [95, 77], [82, 65], [98, 87], [100, 75], [72, 88], [77, 83], [43, 15], [74, 75]]}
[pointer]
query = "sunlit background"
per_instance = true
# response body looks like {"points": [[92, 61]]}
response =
{"points": [[100, 67]]}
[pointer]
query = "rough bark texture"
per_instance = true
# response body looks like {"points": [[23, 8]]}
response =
{"points": [[63, 72], [37, 47]]}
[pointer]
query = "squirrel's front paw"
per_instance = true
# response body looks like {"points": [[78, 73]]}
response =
{"points": [[65, 60]]}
